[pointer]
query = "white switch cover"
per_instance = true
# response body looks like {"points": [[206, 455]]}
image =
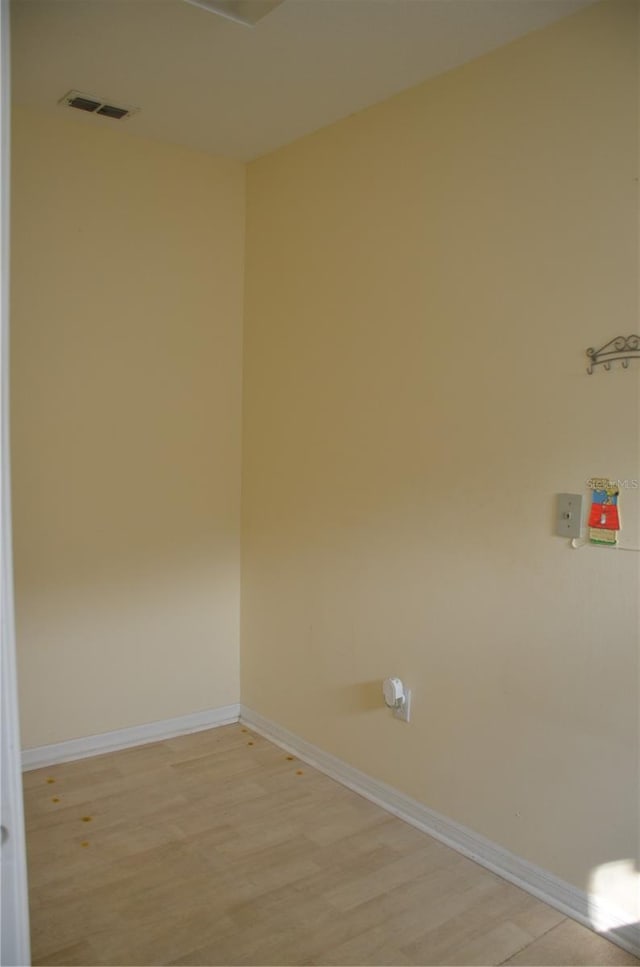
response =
{"points": [[569, 515]]}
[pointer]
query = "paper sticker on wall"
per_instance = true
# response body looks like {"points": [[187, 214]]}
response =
{"points": [[604, 517]]}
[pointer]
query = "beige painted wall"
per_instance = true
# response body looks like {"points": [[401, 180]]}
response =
{"points": [[127, 260], [422, 281]]}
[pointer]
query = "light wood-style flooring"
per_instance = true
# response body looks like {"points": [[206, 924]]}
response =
{"points": [[219, 848]]}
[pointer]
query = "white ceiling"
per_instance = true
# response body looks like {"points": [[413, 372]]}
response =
{"points": [[218, 86]]}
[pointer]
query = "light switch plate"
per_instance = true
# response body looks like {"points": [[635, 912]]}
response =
{"points": [[569, 515]]}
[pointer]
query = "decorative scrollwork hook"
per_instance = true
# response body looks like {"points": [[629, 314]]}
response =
{"points": [[620, 349]]}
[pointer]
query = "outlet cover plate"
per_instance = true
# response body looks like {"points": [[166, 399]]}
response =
{"points": [[404, 712]]}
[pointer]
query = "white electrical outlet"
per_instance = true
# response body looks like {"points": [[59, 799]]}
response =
{"points": [[403, 711]]}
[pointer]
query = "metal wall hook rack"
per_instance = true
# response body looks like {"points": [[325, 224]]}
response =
{"points": [[621, 349]]}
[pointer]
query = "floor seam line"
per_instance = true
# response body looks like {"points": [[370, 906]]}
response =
{"points": [[535, 940]]}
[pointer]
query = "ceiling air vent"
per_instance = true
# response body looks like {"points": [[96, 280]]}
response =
{"points": [[96, 105]]}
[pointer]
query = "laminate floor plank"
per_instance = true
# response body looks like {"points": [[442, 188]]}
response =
{"points": [[218, 848], [572, 944]]}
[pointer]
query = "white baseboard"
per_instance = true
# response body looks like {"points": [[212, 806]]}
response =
{"points": [[586, 909], [46, 755]]}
